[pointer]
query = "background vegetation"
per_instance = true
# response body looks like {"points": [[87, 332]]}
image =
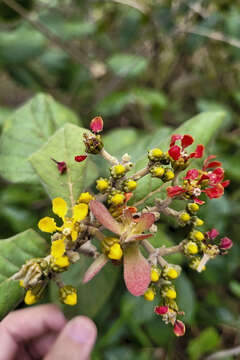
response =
{"points": [[146, 66]]}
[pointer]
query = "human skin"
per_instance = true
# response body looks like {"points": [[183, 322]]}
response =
{"points": [[42, 332]]}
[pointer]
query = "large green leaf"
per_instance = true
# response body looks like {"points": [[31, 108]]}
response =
{"points": [[14, 252], [25, 131], [63, 146], [202, 127], [91, 296]]}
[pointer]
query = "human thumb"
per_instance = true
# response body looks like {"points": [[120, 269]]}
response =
{"points": [[75, 342]]}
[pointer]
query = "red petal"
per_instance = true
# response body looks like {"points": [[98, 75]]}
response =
{"points": [[225, 183], [138, 237], [215, 192], [212, 234], [137, 271], [198, 153], [161, 310], [175, 152], [80, 158], [216, 176], [128, 196], [62, 167], [145, 221], [214, 164], [97, 124], [206, 161], [198, 201], [192, 174], [174, 138], [102, 214], [187, 140], [173, 191], [179, 328], [95, 267], [226, 243]]}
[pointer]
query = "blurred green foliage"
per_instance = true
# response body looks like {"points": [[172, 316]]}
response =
{"points": [[146, 66]]}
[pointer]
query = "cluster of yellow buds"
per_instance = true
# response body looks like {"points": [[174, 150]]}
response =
{"points": [[112, 248], [157, 158]]}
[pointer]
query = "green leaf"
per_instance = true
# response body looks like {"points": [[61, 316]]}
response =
{"points": [[208, 340], [127, 65], [63, 145], [202, 127], [25, 131], [14, 252], [91, 296]]}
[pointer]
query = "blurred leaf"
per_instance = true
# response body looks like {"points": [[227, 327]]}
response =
{"points": [[186, 297], [20, 45], [114, 103], [25, 131], [63, 146], [208, 340], [202, 127], [127, 65], [4, 113], [235, 288], [14, 252], [91, 296]]}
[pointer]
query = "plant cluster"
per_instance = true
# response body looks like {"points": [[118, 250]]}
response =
{"points": [[82, 228]]}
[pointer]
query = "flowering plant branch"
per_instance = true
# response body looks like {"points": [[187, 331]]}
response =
{"points": [[132, 227]]}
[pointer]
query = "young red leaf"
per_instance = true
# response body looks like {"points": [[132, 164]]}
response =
{"points": [[95, 267], [138, 237], [102, 214], [144, 223], [137, 271]]}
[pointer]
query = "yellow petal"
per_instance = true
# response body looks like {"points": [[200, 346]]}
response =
{"points": [[80, 211], [61, 261], [59, 207], [58, 248], [74, 235], [47, 224], [30, 298], [71, 299]]}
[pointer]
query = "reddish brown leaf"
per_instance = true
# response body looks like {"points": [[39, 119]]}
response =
{"points": [[95, 267], [144, 223], [102, 214], [137, 272]]}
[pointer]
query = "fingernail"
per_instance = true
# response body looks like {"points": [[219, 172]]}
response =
{"points": [[82, 330]]}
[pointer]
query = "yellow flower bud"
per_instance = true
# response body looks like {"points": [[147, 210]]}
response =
{"points": [[172, 273], [171, 294], [154, 275], [21, 283], [185, 217], [118, 199], [102, 184], [149, 295], [199, 222], [115, 252], [85, 198], [30, 298], [130, 185], [118, 170], [198, 235], [158, 171], [193, 207], [191, 248], [169, 175]]}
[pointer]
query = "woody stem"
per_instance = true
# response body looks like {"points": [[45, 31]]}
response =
{"points": [[111, 159]]}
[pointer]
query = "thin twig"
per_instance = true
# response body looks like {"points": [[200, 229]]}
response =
{"points": [[111, 159], [139, 174], [73, 53], [214, 35], [224, 354], [148, 196]]}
